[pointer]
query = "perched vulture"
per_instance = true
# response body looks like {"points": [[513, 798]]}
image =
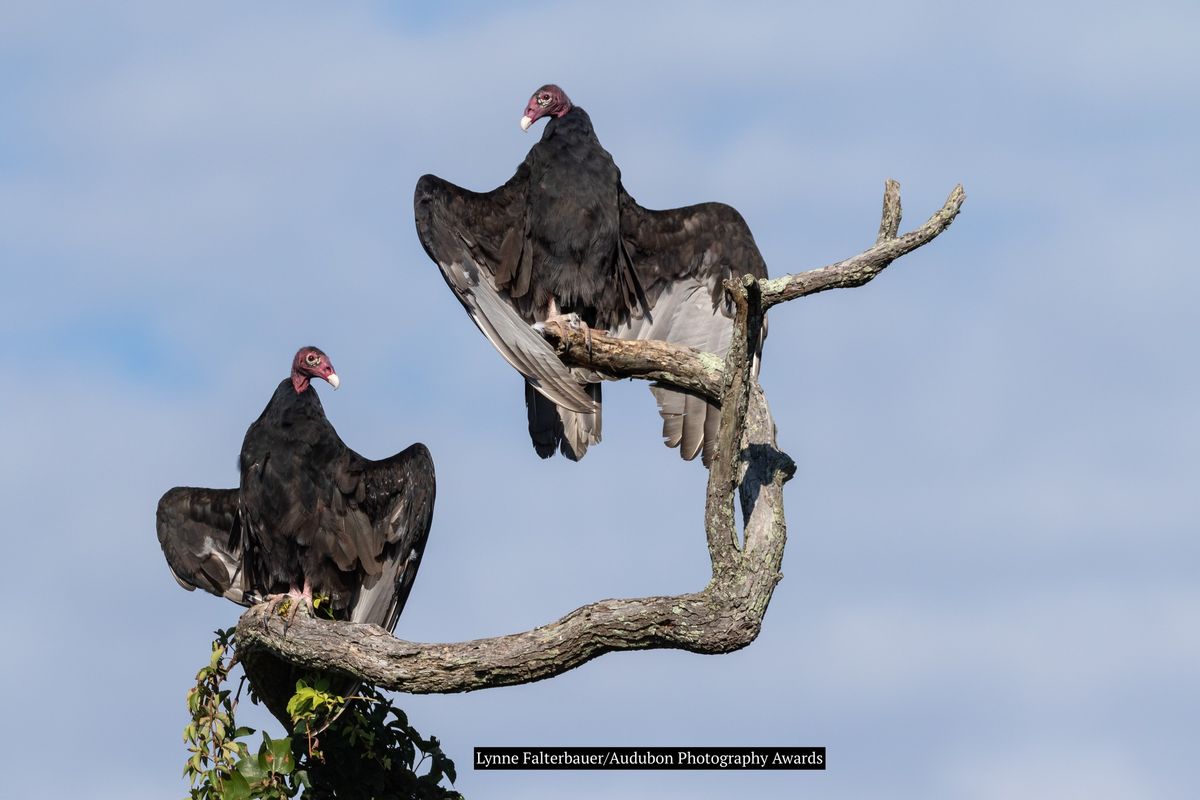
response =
{"points": [[562, 238], [311, 517]]}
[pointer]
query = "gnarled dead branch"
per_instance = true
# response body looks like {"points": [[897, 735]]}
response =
{"points": [[725, 615], [859, 269]]}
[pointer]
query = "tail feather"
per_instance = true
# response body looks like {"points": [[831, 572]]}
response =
{"points": [[544, 424], [552, 427]]}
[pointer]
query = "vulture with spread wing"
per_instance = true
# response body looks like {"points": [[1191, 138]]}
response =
{"points": [[311, 517], [562, 238]]}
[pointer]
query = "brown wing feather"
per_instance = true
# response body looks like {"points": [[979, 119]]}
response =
{"points": [[478, 242], [396, 495], [201, 536], [682, 257], [709, 242]]}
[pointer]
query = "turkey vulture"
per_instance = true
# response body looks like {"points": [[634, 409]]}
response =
{"points": [[562, 238], [312, 517]]}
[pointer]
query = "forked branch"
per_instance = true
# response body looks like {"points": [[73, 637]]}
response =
{"points": [[859, 269], [726, 614]]}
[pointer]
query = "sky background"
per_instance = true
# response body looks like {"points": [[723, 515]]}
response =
{"points": [[990, 585]]}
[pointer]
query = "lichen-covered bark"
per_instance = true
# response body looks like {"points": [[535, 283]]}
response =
{"points": [[724, 472], [889, 220], [725, 615], [682, 367], [859, 269]]}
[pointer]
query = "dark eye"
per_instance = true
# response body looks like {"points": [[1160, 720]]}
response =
{"points": [[312, 359], [544, 100]]}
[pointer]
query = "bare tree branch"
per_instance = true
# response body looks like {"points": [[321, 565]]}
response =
{"points": [[859, 269], [889, 222], [682, 367], [702, 373], [724, 616], [735, 397]]}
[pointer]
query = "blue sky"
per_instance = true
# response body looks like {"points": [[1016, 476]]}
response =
{"points": [[990, 581]]}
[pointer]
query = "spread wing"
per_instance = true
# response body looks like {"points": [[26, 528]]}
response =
{"points": [[396, 496], [480, 242], [201, 536], [682, 257]]}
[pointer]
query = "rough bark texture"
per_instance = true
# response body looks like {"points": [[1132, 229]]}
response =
{"points": [[724, 616], [859, 269], [683, 367]]}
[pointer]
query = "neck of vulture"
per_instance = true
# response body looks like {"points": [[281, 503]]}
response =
{"points": [[299, 381]]}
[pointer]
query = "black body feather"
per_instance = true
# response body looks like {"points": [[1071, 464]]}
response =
{"points": [[563, 230], [309, 508]]}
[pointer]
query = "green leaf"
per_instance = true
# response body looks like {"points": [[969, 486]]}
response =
{"points": [[281, 752], [236, 788], [298, 703], [251, 769]]}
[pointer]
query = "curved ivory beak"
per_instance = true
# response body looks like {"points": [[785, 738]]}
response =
{"points": [[526, 121], [334, 380]]}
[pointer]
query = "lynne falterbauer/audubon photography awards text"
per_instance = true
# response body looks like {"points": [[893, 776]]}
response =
{"points": [[685, 758]]}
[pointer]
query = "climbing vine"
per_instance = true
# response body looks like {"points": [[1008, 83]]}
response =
{"points": [[359, 747]]}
